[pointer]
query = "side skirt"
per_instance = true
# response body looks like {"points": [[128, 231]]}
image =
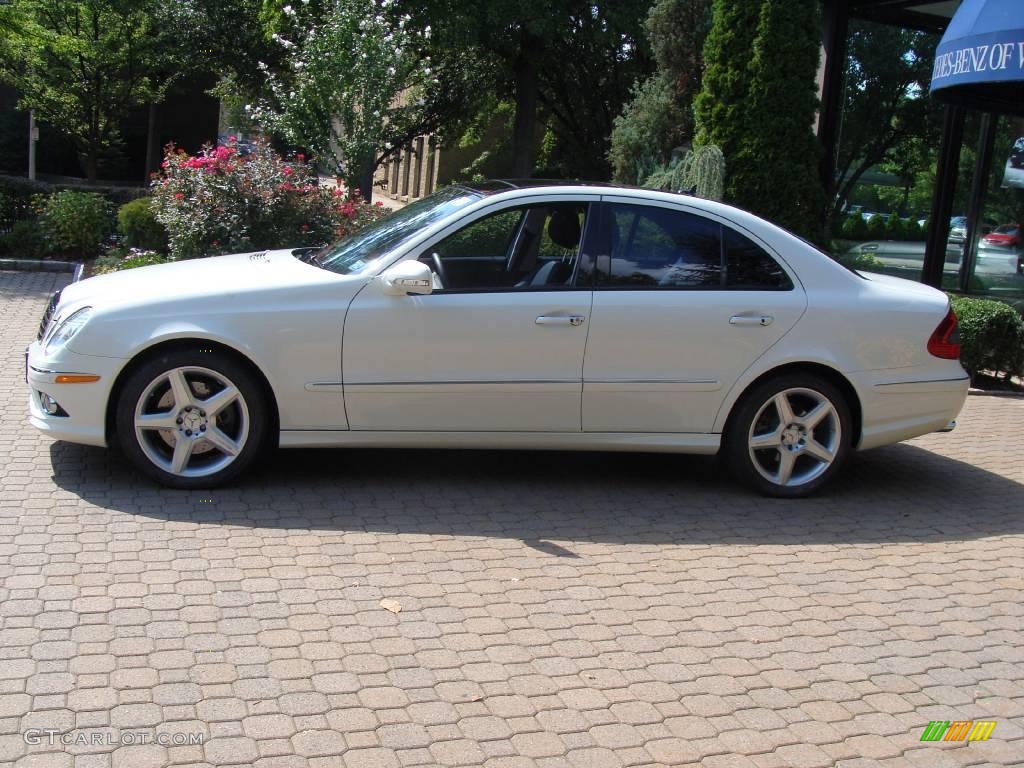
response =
{"points": [[698, 443]]}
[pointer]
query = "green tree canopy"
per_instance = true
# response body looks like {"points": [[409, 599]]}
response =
{"points": [[758, 103], [355, 83], [659, 118], [82, 64], [568, 61]]}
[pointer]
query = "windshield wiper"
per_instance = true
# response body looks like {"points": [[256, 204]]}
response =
{"points": [[309, 255]]}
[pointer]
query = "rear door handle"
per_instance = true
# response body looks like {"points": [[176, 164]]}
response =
{"points": [[751, 320], [573, 320]]}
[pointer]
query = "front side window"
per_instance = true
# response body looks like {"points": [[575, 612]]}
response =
{"points": [[531, 247]]}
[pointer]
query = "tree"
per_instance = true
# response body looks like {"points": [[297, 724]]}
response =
{"points": [[775, 171], [758, 103], [887, 115], [569, 61], [356, 85], [659, 118], [82, 64], [719, 108]]}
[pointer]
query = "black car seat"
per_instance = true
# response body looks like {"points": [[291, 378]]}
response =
{"points": [[564, 230]]}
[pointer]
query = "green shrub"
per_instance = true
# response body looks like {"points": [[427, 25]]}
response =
{"points": [[876, 228], [855, 228], [117, 259], [894, 229], [24, 241], [866, 262], [16, 194], [137, 222], [991, 336], [76, 222]]}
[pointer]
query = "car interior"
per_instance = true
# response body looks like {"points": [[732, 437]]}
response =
{"points": [[529, 248]]}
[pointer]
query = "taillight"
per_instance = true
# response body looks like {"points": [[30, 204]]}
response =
{"points": [[945, 340]]}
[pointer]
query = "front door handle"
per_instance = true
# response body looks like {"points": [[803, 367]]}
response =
{"points": [[573, 320], [751, 320]]}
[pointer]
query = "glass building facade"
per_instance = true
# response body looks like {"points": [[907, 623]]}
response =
{"points": [[918, 189]]}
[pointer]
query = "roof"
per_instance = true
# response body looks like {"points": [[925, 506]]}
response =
{"points": [[492, 186]]}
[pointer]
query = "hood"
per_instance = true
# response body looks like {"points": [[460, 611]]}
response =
{"points": [[221, 276]]}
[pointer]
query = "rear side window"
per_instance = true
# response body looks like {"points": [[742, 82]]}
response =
{"points": [[748, 266], [660, 248], [643, 247]]}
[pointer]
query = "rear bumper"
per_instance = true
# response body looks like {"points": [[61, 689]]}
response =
{"points": [[901, 409]]}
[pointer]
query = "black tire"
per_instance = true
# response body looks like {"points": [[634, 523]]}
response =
{"points": [[758, 404], [244, 421]]}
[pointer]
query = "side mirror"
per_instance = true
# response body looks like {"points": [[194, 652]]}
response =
{"points": [[406, 277]]}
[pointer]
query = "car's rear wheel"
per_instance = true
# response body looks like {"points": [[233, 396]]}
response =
{"points": [[192, 419], [789, 435]]}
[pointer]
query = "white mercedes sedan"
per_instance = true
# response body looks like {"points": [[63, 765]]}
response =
{"points": [[506, 315]]}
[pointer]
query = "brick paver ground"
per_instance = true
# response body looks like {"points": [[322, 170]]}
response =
{"points": [[556, 609]]}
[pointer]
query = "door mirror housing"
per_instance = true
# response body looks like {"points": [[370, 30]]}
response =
{"points": [[407, 277]]}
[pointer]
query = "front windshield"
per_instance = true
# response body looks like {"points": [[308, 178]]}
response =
{"points": [[358, 251]]}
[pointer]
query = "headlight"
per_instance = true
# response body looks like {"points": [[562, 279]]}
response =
{"points": [[67, 329]]}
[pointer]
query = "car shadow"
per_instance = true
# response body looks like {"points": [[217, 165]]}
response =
{"points": [[897, 493]]}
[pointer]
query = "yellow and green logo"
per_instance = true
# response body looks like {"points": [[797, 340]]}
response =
{"points": [[958, 730]]}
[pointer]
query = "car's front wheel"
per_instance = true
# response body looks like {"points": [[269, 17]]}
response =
{"points": [[789, 435], [192, 419]]}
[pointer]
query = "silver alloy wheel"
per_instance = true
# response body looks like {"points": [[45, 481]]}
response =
{"points": [[795, 437], [191, 421]]}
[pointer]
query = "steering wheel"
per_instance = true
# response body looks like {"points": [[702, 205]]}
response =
{"points": [[435, 258]]}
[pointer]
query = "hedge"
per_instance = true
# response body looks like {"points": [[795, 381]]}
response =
{"points": [[991, 336]]}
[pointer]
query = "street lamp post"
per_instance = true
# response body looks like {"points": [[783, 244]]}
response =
{"points": [[33, 137]]}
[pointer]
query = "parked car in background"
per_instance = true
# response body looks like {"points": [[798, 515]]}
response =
{"points": [[958, 228], [461, 320], [1005, 236], [1017, 153]]}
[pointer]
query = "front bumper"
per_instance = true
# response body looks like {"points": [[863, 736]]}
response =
{"points": [[85, 404]]}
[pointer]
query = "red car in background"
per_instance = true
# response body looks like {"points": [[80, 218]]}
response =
{"points": [[1006, 236]]}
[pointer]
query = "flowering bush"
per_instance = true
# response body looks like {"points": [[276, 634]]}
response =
{"points": [[220, 201], [117, 259]]}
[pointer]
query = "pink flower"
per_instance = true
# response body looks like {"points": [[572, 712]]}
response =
{"points": [[287, 170], [179, 196], [379, 204], [301, 157]]}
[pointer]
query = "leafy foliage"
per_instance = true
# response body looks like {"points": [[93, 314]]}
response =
{"points": [[117, 259], [720, 110], [24, 241], [82, 64], [863, 262], [16, 195], [659, 118], [221, 202], [991, 336], [565, 67], [75, 222], [760, 110], [355, 84], [136, 221], [702, 171]]}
